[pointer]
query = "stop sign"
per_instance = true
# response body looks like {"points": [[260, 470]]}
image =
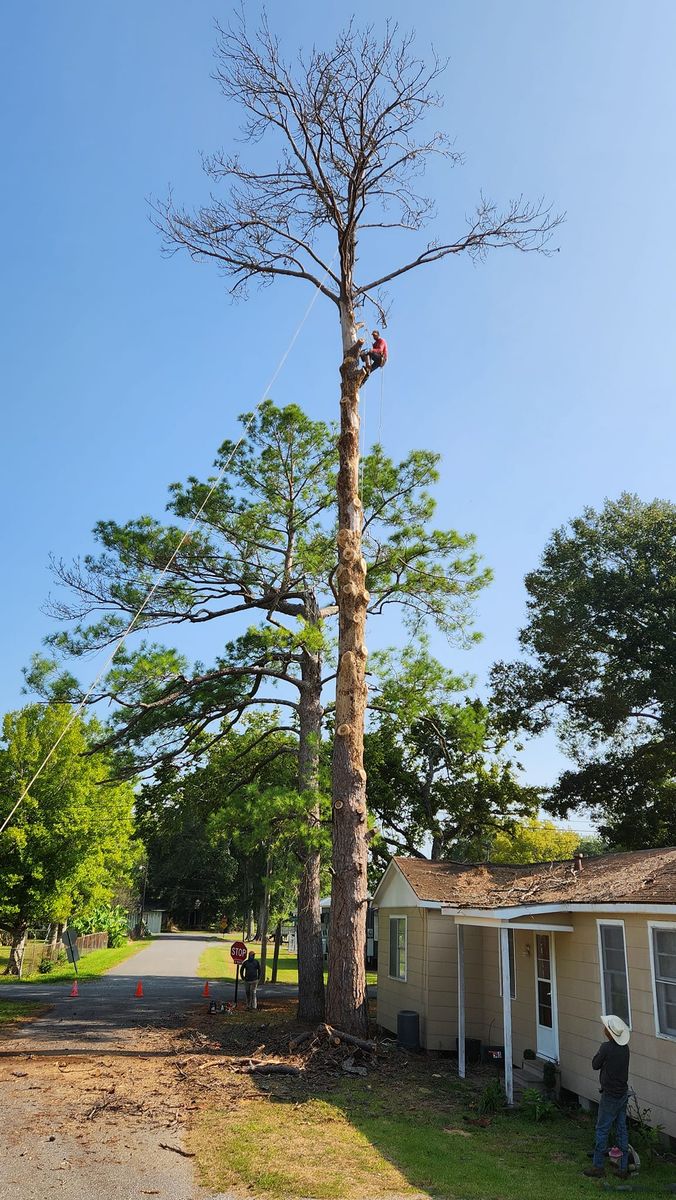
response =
{"points": [[238, 952]]}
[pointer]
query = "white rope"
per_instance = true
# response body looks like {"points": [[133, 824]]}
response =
{"points": [[126, 632]]}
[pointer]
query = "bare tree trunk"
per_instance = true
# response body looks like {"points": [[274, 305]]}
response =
{"points": [[275, 957], [264, 920], [310, 958], [346, 997], [17, 948], [249, 930]]}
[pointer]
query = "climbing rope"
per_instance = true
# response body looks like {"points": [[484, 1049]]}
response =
{"points": [[130, 627]]}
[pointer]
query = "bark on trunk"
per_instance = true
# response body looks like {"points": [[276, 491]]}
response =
{"points": [[275, 957], [310, 958], [248, 932], [346, 995], [17, 948], [263, 922]]}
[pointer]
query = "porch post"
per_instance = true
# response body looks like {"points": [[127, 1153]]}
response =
{"points": [[460, 931], [507, 1013]]}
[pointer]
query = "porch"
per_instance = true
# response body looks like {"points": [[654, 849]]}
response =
{"points": [[545, 992]]}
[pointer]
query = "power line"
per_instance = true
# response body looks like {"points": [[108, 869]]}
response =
{"points": [[130, 627]]}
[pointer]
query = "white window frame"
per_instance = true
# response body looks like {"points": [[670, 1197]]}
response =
{"points": [[604, 1008], [512, 975], [667, 1037], [397, 917]]}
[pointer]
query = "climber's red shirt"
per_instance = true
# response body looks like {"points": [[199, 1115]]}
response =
{"points": [[380, 347]]}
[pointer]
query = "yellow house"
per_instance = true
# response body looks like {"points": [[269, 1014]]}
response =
{"points": [[528, 958]]}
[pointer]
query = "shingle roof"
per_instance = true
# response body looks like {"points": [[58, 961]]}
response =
{"points": [[639, 877]]}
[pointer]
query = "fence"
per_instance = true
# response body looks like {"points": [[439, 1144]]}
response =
{"points": [[41, 948]]}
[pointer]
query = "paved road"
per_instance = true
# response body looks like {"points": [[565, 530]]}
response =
{"points": [[47, 1145], [107, 1010]]}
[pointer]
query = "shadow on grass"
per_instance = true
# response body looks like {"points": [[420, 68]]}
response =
{"points": [[408, 1128]]}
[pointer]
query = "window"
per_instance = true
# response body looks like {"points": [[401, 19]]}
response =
{"points": [[664, 971], [398, 948], [614, 977], [512, 969]]}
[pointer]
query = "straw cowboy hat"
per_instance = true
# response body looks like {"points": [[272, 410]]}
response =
{"points": [[617, 1029]]}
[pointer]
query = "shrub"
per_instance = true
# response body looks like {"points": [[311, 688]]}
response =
{"points": [[644, 1135], [535, 1106], [45, 965], [492, 1099], [105, 919]]}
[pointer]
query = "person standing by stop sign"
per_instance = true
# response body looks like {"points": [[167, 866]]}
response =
{"points": [[250, 972]]}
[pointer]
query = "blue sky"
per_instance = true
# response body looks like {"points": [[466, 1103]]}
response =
{"points": [[547, 383]]}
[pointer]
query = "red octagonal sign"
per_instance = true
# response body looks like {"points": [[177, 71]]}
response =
{"points": [[238, 951]]}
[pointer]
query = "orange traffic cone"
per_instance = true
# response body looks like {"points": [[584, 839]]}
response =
{"points": [[73, 991], [206, 989], [139, 989]]}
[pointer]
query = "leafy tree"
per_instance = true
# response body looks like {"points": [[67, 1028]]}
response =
{"points": [[438, 775], [349, 143], [70, 841], [190, 866], [601, 647], [262, 546], [532, 841]]}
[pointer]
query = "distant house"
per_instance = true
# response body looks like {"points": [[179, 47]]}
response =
{"points": [[371, 951], [528, 957]]}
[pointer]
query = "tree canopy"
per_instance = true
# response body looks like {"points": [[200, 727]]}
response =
{"points": [[69, 842], [600, 647]]}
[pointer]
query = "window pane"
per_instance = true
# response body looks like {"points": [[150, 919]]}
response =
{"points": [[393, 946], [542, 947], [617, 1000], [664, 943], [613, 937], [614, 971], [614, 959], [398, 947], [666, 1007]]}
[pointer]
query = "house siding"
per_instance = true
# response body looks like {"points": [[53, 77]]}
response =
{"points": [[396, 994], [652, 1069], [431, 990]]}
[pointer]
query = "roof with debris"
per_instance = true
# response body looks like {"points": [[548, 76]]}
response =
{"points": [[637, 877]]}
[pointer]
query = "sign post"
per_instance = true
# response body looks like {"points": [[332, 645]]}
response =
{"points": [[238, 953], [72, 952]]}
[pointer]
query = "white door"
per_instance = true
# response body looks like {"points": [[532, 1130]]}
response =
{"points": [[545, 998]]}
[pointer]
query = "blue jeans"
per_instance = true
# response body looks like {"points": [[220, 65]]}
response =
{"points": [[612, 1111]]}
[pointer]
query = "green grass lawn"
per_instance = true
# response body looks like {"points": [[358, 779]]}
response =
{"points": [[20, 1010], [216, 963], [89, 967], [380, 1138]]}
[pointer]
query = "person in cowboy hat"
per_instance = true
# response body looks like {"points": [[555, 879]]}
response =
{"points": [[612, 1060]]}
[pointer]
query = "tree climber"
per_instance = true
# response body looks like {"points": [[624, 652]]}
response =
{"points": [[376, 356]]}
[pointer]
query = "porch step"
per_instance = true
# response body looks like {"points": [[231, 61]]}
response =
{"points": [[531, 1070], [529, 1075]]}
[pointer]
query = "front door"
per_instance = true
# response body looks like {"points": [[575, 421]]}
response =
{"points": [[545, 998]]}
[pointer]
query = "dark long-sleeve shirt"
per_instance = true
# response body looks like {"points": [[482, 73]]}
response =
{"points": [[250, 970], [613, 1063]]}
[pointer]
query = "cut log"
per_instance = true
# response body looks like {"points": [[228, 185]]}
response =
{"points": [[348, 1038], [273, 1069], [298, 1041]]}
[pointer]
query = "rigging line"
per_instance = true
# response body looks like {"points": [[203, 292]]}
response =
{"points": [[130, 627], [362, 432], [380, 414]]}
